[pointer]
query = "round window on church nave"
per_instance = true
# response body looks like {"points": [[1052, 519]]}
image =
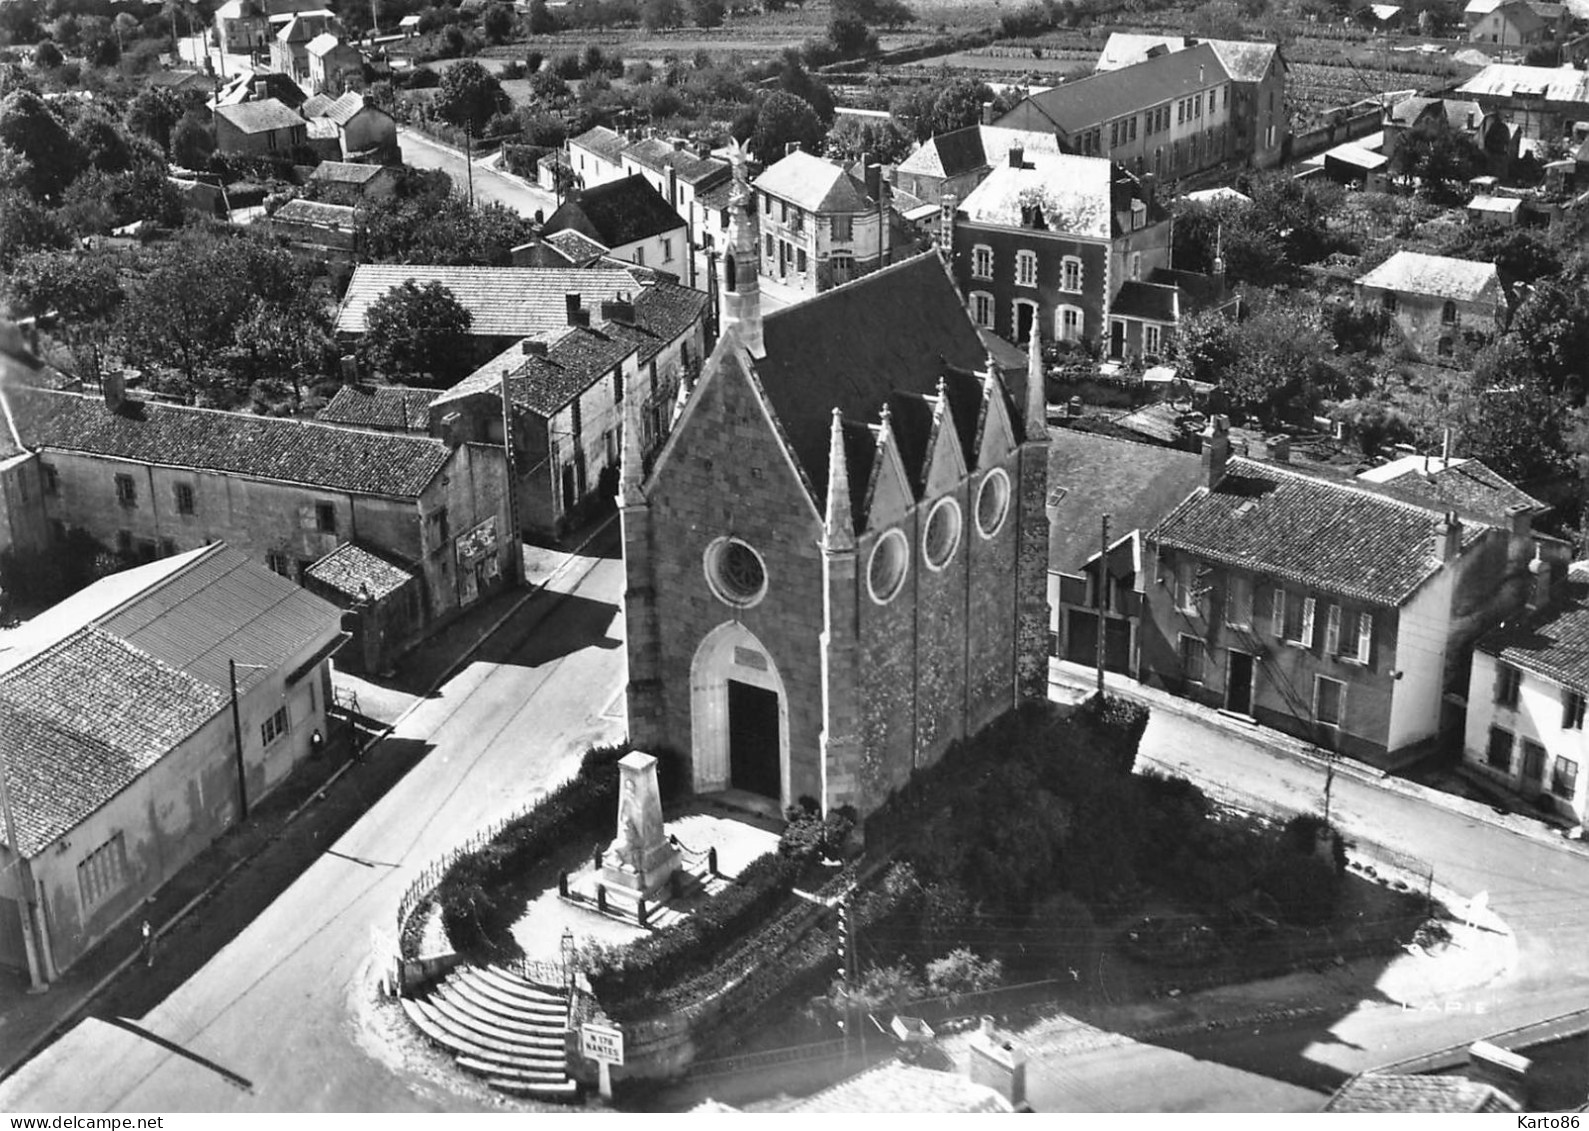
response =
{"points": [[993, 502], [942, 535], [735, 572], [885, 572]]}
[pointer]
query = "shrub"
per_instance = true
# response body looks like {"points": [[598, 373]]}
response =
{"points": [[963, 971], [1304, 888], [1302, 833], [808, 836]]}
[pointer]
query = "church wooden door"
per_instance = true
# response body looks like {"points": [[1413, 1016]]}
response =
{"points": [[753, 747]]}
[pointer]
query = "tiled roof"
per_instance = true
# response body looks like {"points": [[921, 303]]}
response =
{"points": [[896, 330], [813, 184], [716, 197], [346, 172], [545, 383], [605, 143], [659, 156], [1341, 537], [387, 407], [260, 117], [1506, 80], [354, 571], [974, 147], [269, 84], [1101, 97], [1554, 642], [344, 108], [577, 246], [1245, 62], [1465, 485], [896, 1087], [324, 44], [1413, 272], [82, 720], [616, 213], [1077, 193], [1373, 1092], [315, 212], [1089, 476], [315, 105], [258, 447], [503, 302]]}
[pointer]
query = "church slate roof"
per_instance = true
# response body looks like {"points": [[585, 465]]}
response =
{"points": [[259, 447], [896, 330]]}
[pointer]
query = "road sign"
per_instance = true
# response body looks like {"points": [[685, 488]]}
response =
{"points": [[601, 1043]]}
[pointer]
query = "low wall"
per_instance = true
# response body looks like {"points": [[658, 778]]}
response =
{"points": [[1333, 133]]}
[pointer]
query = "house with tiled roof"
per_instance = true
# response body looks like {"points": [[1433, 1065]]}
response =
{"points": [[334, 65], [819, 225], [381, 408], [247, 27], [1498, 141], [262, 128], [148, 480], [351, 128], [1539, 102], [681, 174], [289, 47], [1257, 71], [123, 755], [257, 86], [1337, 610], [954, 163], [1514, 23], [1437, 302], [597, 156], [1469, 485], [317, 230], [568, 386], [630, 220], [837, 560]]}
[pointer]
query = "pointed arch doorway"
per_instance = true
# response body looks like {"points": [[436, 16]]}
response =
{"points": [[739, 716]]}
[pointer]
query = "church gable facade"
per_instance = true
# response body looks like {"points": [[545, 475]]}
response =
{"points": [[830, 563]]}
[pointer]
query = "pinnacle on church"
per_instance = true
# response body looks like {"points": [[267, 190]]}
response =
{"points": [[838, 529], [631, 483], [1036, 394]]}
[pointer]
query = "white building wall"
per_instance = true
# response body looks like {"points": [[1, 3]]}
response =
{"points": [[1537, 716], [1423, 627]]}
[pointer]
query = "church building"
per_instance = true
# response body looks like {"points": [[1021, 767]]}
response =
{"points": [[837, 561]]}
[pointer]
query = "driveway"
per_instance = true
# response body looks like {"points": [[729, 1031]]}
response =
{"points": [[489, 184]]}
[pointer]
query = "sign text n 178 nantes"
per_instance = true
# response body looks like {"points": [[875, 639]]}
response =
{"points": [[602, 1043]]}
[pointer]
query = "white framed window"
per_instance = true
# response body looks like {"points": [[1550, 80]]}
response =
{"points": [[886, 569], [1152, 338], [982, 262], [1293, 617], [1070, 274], [735, 572], [942, 534], [1564, 778], [1365, 636], [982, 309], [275, 726], [1238, 602], [1026, 268], [1069, 323], [993, 502], [1136, 263], [1194, 658], [1508, 682], [1329, 700]]}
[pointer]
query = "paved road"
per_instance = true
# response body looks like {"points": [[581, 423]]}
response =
{"points": [[275, 1007], [489, 185]]}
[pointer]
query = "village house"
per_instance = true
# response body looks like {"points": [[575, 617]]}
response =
{"points": [[351, 128], [819, 226], [316, 231], [1514, 23], [246, 27], [572, 387], [381, 408], [1539, 102], [289, 48], [265, 128], [257, 87], [149, 480], [1498, 141], [353, 182], [335, 65], [597, 156], [631, 221], [956, 162], [836, 562], [680, 174], [123, 755], [1259, 121], [1436, 301], [1335, 610]]}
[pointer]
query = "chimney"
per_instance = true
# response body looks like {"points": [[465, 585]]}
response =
{"points": [[1216, 450], [533, 347], [873, 175], [1545, 574], [999, 1064], [791, 147], [946, 224], [619, 310], [1280, 449], [1448, 536], [114, 384], [1502, 1069], [1520, 520], [1445, 449], [885, 230], [1017, 157], [452, 430], [577, 316], [987, 113]]}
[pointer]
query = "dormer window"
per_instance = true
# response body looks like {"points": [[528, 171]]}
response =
{"points": [[1139, 215], [1032, 216]]}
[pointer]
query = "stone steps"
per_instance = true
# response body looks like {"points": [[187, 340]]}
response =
{"points": [[499, 1026]]}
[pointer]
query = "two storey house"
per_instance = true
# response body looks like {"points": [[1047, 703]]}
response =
{"points": [[820, 225]]}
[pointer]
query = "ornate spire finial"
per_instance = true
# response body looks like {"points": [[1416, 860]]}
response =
{"points": [[1036, 393], [838, 528]]}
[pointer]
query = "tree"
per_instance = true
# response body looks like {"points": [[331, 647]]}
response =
{"points": [[957, 105], [418, 332], [658, 14], [963, 971], [102, 141], [47, 56], [1552, 329], [469, 94], [782, 119], [498, 23], [882, 13], [851, 38], [31, 128], [154, 112], [26, 225], [707, 13], [286, 342], [886, 140], [192, 141], [428, 222], [83, 290], [541, 20], [1442, 160]]}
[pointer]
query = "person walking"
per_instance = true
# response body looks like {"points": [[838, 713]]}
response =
{"points": [[148, 944]]}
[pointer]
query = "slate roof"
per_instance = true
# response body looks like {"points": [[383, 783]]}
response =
{"points": [[1506, 80], [895, 1087], [394, 408], [264, 85], [1553, 642], [317, 213], [260, 117], [1197, 291], [1078, 192], [974, 147], [1244, 61], [1466, 485], [503, 302], [616, 213], [355, 571], [1152, 302], [324, 43], [83, 719], [1372, 1092], [1458, 111], [343, 109], [1341, 537], [809, 182], [896, 330], [1101, 97], [258, 447], [1440, 276], [577, 246], [315, 105], [605, 143], [659, 156], [1090, 475], [346, 172]]}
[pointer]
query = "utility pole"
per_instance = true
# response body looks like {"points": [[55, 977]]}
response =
{"points": [[1103, 594], [468, 157], [237, 745]]}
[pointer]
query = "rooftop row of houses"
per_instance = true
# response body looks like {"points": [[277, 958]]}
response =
{"points": [[345, 128]]}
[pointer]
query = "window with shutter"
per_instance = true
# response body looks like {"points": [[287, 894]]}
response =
{"points": [[1332, 631], [1365, 636], [1306, 637], [1184, 601], [1279, 616], [1238, 613]]}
